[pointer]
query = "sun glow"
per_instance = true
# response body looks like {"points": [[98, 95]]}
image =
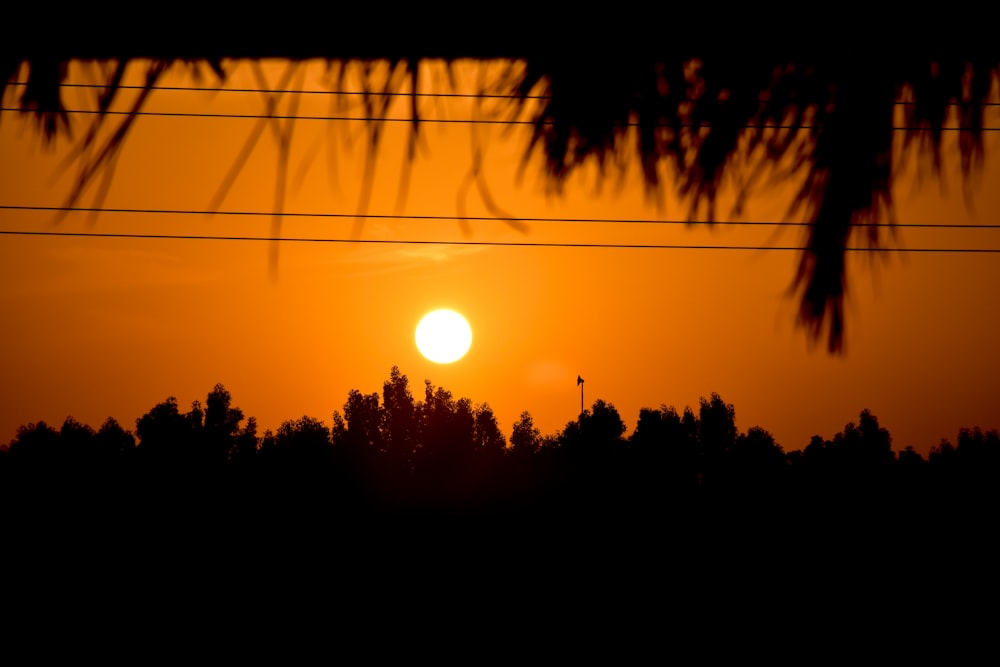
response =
{"points": [[443, 336]]}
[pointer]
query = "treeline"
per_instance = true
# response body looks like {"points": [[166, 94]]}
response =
{"points": [[398, 451], [395, 451]]}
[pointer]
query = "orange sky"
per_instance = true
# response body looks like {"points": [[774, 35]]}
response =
{"points": [[98, 327]]}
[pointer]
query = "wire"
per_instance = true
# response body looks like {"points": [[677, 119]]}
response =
{"points": [[513, 244], [483, 218], [192, 114], [469, 121], [216, 89], [293, 91]]}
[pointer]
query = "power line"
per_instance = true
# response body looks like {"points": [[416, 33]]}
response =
{"points": [[299, 91], [479, 218], [248, 116], [514, 244], [467, 121]]}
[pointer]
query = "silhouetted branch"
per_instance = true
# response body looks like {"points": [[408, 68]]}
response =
{"points": [[696, 109]]}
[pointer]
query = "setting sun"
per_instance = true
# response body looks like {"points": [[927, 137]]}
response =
{"points": [[443, 336]]}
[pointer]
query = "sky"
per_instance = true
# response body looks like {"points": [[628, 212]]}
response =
{"points": [[109, 326]]}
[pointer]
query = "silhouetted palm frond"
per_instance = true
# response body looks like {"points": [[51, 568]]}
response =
{"points": [[686, 103]]}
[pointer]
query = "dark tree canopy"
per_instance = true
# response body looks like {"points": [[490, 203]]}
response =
{"points": [[819, 91]]}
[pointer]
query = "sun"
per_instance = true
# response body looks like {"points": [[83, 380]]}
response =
{"points": [[443, 336]]}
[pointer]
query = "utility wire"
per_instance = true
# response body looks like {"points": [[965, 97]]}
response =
{"points": [[512, 244], [482, 218], [216, 89], [294, 91], [468, 121]]}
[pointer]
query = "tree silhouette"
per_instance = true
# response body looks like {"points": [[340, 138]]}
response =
{"points": [[359, 429], [665, 445], [300, 446], [76, 444], [164, 433], [592, 452], [977, 455], [488, 439], [757, 466], [525, 438], [36, 447], [245, 444], [113, 442], [222, 424], [695, 107], [867, 445], [458, 459], [597, 431], [401, 421], [446, 436], [716, 436]]}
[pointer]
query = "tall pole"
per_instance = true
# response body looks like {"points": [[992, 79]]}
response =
{"points": [[579, 381]]}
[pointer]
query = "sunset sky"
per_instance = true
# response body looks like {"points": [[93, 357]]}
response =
{"points": [[103, 326]]}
